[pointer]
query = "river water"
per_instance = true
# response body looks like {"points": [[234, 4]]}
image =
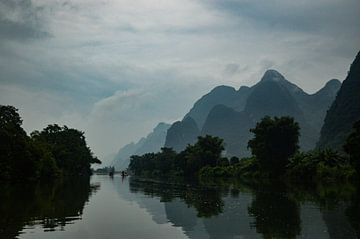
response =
{"points": [[103, 207]]}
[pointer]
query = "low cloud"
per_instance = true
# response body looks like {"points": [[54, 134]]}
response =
{"points": [[116, 68]]}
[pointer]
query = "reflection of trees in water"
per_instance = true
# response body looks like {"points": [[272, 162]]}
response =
{"points": [[275, 214], [353, 212], [337, 202], [50, 205], [207, 201], [275, 210]]}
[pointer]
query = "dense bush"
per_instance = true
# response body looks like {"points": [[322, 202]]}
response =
{"points": [[320, 164], [205, 152]]}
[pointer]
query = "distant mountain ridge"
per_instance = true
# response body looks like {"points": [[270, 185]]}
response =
{"points": [[220, 95], [230, 114], [182, 133], [344, 111], [152, 143]]}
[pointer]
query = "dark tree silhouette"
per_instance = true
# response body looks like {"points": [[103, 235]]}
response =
{"points": [[352, 146], [18, 157], [276, 139], [45, 154]]}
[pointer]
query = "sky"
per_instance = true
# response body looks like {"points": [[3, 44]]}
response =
{"points": [[115, 68]]}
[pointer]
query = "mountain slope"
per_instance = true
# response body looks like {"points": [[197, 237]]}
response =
{"points": [[153, 142], [316, 105], [270, 97], [224, 95], [273, 96], [230, 125], [344, 111], [182, 133]]}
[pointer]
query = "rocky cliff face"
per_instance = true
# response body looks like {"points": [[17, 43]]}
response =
{"points": [[344, 111]]}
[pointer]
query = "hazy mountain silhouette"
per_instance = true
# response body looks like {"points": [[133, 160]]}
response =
{"points": [[224, 95], [153, 142], [230, 114], [182, 133], [230, 125], [344, 111]]}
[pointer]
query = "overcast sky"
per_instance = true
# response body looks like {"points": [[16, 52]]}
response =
{"points": [[115, 68]]}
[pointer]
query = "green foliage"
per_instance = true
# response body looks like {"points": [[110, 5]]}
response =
{"points": [[234, 160], [352, 146], [275, 150], [245, 168], [68, 147], [320, 164], [46, 154], [224, 162], [276, 139], [206, 151], [18, 157]]}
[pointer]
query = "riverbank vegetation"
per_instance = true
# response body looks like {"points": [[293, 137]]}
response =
{"points": [[53, 152], [275, 154]]}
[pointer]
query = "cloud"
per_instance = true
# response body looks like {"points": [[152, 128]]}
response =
{"points": [[115, 68], [21, 20], [305, 16]]}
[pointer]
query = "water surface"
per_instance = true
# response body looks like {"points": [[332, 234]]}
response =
{"points": [[105, 207]]}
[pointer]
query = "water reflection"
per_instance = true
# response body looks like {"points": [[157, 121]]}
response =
{"points": [[51, 205], [141, 208], [257, 210], [353, 212], [276, 214]]}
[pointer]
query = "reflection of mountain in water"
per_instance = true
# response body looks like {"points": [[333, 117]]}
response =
{"points": [[181, 215], [234, 221], [227, 212], [190, 208], [52, 206], [151, 204]]}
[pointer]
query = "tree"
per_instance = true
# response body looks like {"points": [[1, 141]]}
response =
{"points": [[17, 158], [352, 146], [43, 155], [165, 160], [205, 152], [234, 160], [276, 140], [68, 148]]}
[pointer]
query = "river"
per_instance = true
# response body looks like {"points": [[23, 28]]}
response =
{"points": [[104, 207]]}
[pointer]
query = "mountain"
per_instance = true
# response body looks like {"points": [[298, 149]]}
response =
{"points": [[224, 95], [153, 142], [229, 114], [275, 96], [230, 125], [344, 111], [182, 133], [315, 106], [271, 97]]}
